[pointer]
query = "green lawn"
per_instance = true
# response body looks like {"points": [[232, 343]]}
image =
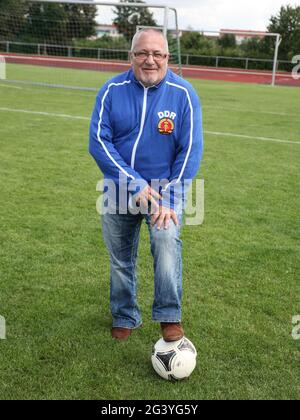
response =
{"points": [[241, 267], [55, 75]]}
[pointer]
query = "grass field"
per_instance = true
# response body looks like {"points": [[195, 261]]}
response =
{"points": [[241, 267]]}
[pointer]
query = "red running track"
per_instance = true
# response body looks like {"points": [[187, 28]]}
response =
{"points": [[207, 73]]}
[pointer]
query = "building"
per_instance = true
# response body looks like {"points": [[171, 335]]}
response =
{"points": [[109, 30]]}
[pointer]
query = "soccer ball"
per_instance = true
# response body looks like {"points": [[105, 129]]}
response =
{"points": [[174, 360]]}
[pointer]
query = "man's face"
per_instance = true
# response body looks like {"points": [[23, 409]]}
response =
{"points": [[150, 69]]}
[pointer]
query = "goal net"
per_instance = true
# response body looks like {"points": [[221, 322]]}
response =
{"points": [[67, 43], [244, 54]]}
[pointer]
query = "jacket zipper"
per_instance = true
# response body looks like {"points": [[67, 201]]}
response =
{"points": [[141, 128]]}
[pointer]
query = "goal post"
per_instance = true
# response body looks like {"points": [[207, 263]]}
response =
{"points": [[275, 63], [172, 36], [46, 42], [275, 36], [2, 68], [236, 51]]}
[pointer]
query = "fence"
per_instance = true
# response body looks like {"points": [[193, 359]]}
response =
{"points": [[246, 63], [63, 51], [123, 55]]}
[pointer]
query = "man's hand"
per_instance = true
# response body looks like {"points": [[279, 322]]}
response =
{"points": [[162, 218], [147, 197]]}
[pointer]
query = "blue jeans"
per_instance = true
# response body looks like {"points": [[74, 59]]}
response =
{"points": [[121, 234]]}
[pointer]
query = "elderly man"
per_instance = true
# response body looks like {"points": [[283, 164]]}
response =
{"points": [[147, 126]]}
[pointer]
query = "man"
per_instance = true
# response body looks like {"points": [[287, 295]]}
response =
{"points": [[147, 126]]}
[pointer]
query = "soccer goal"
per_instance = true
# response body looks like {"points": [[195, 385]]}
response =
{"points": [[71, 43], [174, 46], [248, 55], [2, 68]]}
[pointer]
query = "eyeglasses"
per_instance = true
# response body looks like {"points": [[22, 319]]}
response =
{"points": [[143, 55]]}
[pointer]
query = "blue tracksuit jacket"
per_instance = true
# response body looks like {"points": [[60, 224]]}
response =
{"points": [[147, 134]]}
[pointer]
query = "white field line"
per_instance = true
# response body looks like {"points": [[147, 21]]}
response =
{"points": [[76, 93], [10, 87], [50, 91], [283, 114], [213, 133], [252, 111], [45, 114], [243, 136]]}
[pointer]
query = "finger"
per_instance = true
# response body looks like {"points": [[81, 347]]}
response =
{"points": [[154, 207], [174, 218], [144, 205], [160, 221], [155, 194], [146, 190], [167, 221], [154, 218], [141, 195]]}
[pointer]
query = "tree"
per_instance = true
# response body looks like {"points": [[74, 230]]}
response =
{"points": [[81, 20], [197, 43], [10, 12], [287, 23], [254, 47], [46, 22], [60, 23], [106, 41], [227, 41], [128, 18]]}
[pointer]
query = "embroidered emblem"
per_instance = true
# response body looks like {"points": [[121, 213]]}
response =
{"points": [[166, 126]]}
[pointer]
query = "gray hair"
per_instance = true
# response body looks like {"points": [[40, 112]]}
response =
{"points": [[140, 32]]}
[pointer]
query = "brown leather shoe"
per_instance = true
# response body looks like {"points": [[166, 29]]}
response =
{"points": [[171, 331], [120, 333]]}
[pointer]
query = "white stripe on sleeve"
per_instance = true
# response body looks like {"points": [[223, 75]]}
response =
{"points": [[99, 128]]}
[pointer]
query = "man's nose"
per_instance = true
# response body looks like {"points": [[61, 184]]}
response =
{"points": [[150, 59]]}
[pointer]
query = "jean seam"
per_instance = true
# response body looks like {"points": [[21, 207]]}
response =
{"points": [[134, 248]]}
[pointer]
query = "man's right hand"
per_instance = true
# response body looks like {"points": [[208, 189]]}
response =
{"points": [[148, 197]]}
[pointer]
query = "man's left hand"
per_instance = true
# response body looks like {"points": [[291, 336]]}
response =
{"points": [[163, 217]]}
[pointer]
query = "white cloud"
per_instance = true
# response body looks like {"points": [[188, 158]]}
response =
{"points": [[226, 14], [230, 14]]}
